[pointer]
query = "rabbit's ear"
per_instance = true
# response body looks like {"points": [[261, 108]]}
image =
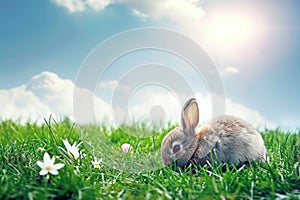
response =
{"points": [[190, 116]]}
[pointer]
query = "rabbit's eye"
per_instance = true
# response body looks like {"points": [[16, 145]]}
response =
{"points": [[176, 148]]}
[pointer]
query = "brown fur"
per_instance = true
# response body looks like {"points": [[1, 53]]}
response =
{"points": [[228, 139]]}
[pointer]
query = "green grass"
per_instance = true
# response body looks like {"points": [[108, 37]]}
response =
{"points": [[20, 179]]}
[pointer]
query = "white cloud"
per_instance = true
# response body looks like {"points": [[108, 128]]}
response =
{"points": [[175, 10], [248, 114], [109, 84], [231, 108], [19, 104], [113, 84], [53, 91], [71, 5], [231, 70], [139, 14], [172, 108], [47, 94], [80, 5], [98, 5], [101, 110], [41, 96]]}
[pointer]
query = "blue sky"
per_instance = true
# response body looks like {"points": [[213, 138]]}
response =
{"points": [[38, 36]]}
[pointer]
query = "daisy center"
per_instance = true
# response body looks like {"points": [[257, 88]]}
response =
{"points": [[48, 168]]}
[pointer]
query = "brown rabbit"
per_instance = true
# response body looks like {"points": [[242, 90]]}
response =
{"points": [[227, 139]]}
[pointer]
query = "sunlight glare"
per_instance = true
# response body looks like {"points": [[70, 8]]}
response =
{"points": [[231, 30]]}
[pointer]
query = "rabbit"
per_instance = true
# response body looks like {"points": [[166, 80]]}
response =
{"points": [[226, 139]]}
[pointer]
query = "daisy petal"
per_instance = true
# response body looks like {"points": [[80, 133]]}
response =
{"points": [[43, 172], [78, 145], [52, 160], [67, 144], [58, 166], [54, 171], [46, 157], [40, 164]]}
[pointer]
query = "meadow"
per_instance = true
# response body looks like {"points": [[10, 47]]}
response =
{"points": [[21, 146]]}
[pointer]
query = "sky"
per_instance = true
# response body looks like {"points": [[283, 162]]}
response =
{"points": [[254, 44]]}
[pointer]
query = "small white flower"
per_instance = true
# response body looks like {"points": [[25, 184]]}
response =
{"points": [[97, 163], [48, 166], [72, 150], [126, 148]]}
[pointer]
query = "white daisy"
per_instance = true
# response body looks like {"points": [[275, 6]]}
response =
{"points": [[72, 150], [97, 163], [48, 166]]}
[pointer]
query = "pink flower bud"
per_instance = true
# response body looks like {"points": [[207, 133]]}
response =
{"points": [[126, 148]]}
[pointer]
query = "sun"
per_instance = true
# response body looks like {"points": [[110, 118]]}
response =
{"points": [[231, 30]]}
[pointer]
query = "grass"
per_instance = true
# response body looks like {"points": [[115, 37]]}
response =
{"points": [[19, 174]]}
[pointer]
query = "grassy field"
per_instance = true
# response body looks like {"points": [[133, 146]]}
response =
{"points": [[21, 146]]}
